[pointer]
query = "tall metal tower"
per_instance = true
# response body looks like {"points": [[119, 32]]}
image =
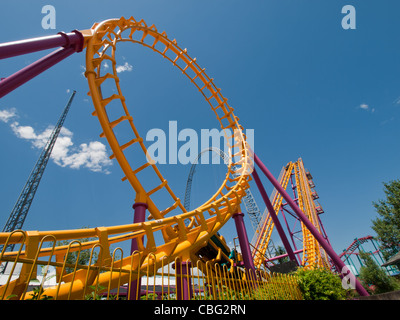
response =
{"points": [[21, 207]]}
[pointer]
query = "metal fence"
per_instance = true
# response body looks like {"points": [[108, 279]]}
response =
{"points": [[80, 270]]}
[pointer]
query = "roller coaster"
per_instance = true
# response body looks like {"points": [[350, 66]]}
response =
{"points": [[369, 245], [170, 235], [312, 254]]}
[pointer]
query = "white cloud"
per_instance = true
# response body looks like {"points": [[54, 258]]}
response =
{"points": [[6, 115], [92, 156], [24, 132], [366, 107], [397, 101], [120, 68], [125, 67], [84, 70]]}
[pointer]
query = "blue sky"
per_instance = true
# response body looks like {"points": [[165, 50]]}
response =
{"points": [[305, 85]]}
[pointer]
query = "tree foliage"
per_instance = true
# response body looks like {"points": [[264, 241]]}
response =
{"points": [[281, 251], [387, 225], [320, 284], [83, 256], [376, 277]]}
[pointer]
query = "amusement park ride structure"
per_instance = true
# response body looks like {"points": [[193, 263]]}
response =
{"points": [[302, 185], [184, 233], [250, 203], [369, 245], [21, 208]]}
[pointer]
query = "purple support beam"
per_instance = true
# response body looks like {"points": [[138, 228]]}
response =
{"points": [[291, 232], [321, 240], [243, 241], [283, 256], [245, 248], [140, 216], [184, 289], [72, 42], [62, 39], [323, 229], [274, 217], [29, 72]]}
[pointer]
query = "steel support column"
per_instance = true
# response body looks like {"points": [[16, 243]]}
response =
{"points": [[70, 43], [274, 217], [140, 216]]}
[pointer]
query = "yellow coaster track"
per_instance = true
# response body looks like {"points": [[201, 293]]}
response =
{"points": [[313, 255], [179, 239]]}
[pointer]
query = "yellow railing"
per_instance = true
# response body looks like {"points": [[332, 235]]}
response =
{"points": [[29, 276]]}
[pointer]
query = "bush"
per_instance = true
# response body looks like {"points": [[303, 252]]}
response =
{"points": [[320, 284], [375, 277]]}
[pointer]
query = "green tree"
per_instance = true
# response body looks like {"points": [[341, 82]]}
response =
{"points": [[373, 275], [320, 284], [281, 251], [387, 225], [83, 256]]}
